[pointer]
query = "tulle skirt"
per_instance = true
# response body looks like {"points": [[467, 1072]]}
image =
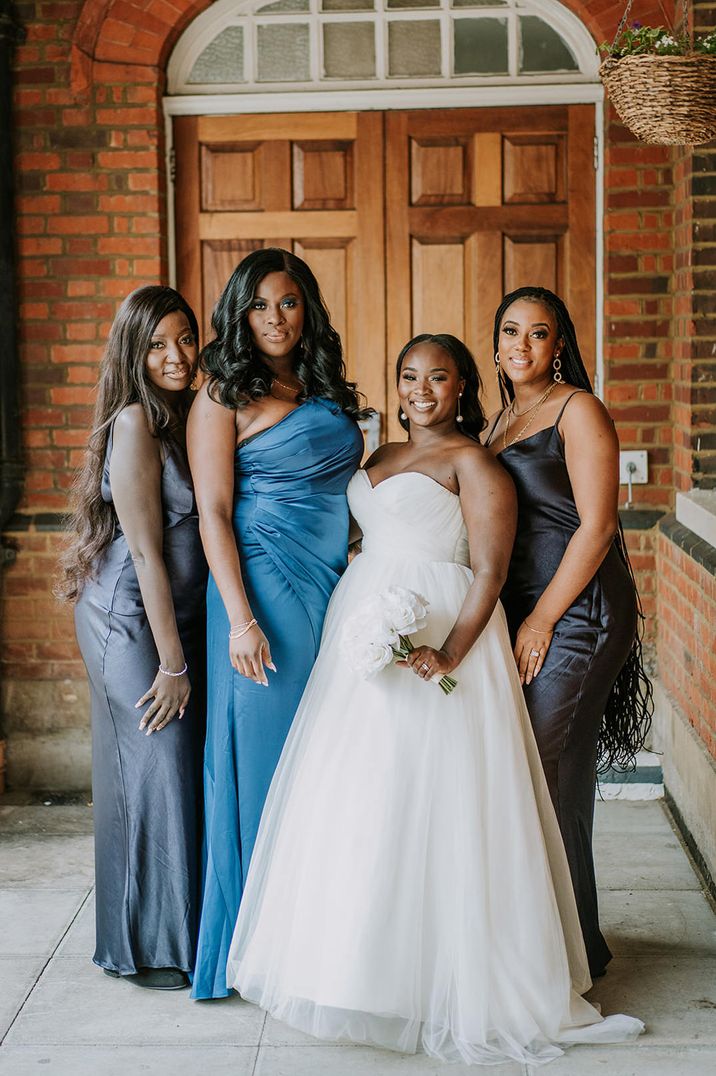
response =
{"points": [[409, 885]]}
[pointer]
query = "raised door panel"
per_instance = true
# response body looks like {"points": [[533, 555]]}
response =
{"points": [[532, 261], [481, 201], [312, 184], [332, 265]]}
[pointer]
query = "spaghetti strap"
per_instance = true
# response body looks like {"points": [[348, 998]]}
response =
{"points": [[494, 427], [559, 416]]}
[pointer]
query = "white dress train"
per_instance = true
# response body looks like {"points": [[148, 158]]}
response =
{"points": [[409, 883]]}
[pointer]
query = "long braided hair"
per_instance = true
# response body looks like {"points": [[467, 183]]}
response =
{"points": [[629, 709], [473, 417]]}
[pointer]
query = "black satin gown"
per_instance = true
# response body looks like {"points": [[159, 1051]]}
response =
{"points": [[146, 789], [591, 642]]}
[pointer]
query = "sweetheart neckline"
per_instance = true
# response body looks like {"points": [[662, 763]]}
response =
{"points": [[403, 474]]}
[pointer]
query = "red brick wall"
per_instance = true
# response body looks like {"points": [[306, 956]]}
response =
{"points": [[687, 614]]}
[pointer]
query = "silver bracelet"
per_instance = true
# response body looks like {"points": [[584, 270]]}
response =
{"points": [[167, 673]]}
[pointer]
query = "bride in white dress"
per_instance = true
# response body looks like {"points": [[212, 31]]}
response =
{"points": [[409, 885]]}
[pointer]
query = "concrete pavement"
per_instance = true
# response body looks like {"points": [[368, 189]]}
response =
{"points": [[60, 1015]]}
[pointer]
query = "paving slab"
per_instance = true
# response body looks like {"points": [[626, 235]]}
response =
{"points": [[362, 1061], [647, 860], [32, 921], [636, 1059], [80, 938], [37, 819], [125, 1060], [18, 975], [46, 862], [631, 818], [665, 923], [674, 996], [74, 1003]]}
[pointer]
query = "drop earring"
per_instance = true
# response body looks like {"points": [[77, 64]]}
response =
{"points": [[557, 368], [403, 416], [458, 417]]}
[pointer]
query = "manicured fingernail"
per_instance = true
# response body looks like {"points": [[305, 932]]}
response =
{"points": [[271, 666], [137, 705]]}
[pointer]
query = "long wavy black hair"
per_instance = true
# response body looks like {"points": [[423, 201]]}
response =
{"points": [[238, 373], [123, 380], [629, 710], [473, 417]]}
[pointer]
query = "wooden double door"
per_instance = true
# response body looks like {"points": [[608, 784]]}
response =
{"points": [[412, 221]]}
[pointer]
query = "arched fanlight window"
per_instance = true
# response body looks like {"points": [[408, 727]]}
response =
{"points": [[239, 46]]}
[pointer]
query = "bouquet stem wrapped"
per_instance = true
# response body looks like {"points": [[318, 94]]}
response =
{"points": [[447, 683]]}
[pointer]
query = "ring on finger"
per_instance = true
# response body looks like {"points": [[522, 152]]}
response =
{"points": [[535, 653]]}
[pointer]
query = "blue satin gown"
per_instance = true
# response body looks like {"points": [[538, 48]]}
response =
{"points": [[291, 527]]}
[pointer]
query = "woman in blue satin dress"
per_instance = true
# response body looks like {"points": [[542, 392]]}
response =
{"points": [[273, 441]]}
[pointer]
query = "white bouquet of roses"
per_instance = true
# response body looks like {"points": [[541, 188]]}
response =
{"points": [[380, 630]]}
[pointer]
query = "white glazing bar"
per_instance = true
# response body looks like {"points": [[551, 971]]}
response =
{"points": [[445, 42], [513, 45]]}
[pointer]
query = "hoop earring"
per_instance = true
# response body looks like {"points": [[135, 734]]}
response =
{"points": [[557, 368], [504, 396], [458, 417]]}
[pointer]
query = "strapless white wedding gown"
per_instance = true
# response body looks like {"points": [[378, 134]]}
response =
{"points": [[409, 884]]}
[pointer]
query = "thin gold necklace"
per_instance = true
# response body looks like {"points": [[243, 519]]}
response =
{"points": [[534, 409], [288, 388]]}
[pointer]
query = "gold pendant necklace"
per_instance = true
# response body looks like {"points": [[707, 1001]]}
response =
{"points": [[534, 409]]}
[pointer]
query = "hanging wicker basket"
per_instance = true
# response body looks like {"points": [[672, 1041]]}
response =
{"points": [[669, 100]]}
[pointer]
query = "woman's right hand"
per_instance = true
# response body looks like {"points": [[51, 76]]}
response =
{"points": [[250, 653], [170, 695]]}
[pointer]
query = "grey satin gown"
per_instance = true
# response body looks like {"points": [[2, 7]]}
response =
{"points": [[146, 789], [591, 642]]}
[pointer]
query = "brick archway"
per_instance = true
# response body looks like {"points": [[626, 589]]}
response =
{"points": [[133, 33], [141, 33]]}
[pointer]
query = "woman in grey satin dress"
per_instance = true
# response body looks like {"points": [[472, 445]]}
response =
{"points": [[137, 573], [570, 597]]}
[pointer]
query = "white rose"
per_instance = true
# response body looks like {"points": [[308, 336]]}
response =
{"points": [[369, 658], [405, 610]]}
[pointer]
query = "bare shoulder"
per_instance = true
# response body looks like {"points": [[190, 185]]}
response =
{"points": [[208, 414], [136, 452], [205, 399], [475, 462], [585, 415], [132, 428], [476, 458], [382, 454]]}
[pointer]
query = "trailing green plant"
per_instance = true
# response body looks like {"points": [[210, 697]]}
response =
{"points": [[638, 40]]}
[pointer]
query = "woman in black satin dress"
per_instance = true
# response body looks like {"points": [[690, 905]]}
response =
{"points": [[570, 597]]}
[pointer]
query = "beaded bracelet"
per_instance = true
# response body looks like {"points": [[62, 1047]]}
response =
{"points": [[167, 673], [240, 629]]}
